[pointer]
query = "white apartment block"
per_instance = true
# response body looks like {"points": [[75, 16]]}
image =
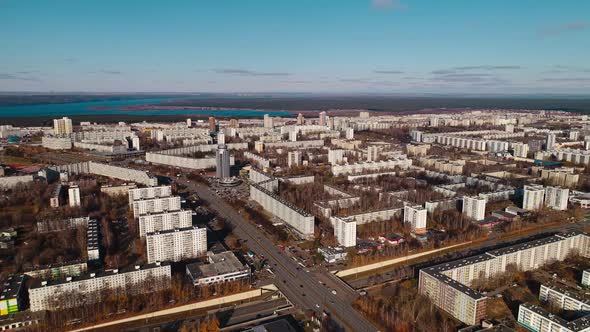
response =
{"points": [[349, 133], [176, 244], [415, 216], [149, 192], [268, 121], [294, 158], [62, 126], [372, 153], [335, 156], [474, 207], [299, 220], [563, 299], [156, 205], [344, 231], [416, 135], [533, 197], [74, 291], [74, 196], [497, 146], [521, 150], [536, 318], [556, 198], [400, 162], [56, 143], [164, 221], [551, 139], [586, 278], [448, 284]]}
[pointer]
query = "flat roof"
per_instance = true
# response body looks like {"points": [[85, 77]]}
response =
{"points": [[575, 325], [222, 263], [12, 287], [38, 283]]}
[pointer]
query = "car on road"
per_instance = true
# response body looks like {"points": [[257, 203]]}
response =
{"points": [[334, 292], [317, 305]]}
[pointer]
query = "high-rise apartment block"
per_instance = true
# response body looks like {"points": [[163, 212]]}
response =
{"points": [[474, 207], [164, 221], [294, 158], [74, 199], [323, 121], [533, 197], [62, 126], [550, 142], [415, 217], [268, 121], [176, 244], [149, 193], [556, 198], [155, 205], [520, 150]]}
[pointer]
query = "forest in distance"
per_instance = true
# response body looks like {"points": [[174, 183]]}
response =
{"points": [[313, 102]]}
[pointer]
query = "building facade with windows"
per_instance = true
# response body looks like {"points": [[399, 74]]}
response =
{"points": [[176, 244]]}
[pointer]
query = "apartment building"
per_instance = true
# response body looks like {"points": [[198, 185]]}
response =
{"points": [[176, 244], [474, 207], [563, 177], [536, 318], [293, 158], [447, 284], [520, 150], [62, 126], [415, 217], [556, 198], [586, 278], [533, 197], [74, 196], [155, 205], [344, 230], [56, 142], [149, 193], [563, 299], [400, 162], [89, 288], [156, 222], [92, 243], [335, 156]]}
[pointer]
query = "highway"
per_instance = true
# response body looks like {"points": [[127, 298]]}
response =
{"points": [[302, 288]]}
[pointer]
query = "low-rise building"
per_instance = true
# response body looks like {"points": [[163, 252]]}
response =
{"points": [[11, 298], [222, 267], [332, 254]]}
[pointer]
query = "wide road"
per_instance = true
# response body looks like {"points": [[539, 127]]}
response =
{"points": [[299, 286]]}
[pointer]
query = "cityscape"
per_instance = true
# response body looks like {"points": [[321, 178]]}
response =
{"points": [[151, 198]]}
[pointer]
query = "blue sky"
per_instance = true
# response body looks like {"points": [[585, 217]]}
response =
{"points": [[381, 46]]}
